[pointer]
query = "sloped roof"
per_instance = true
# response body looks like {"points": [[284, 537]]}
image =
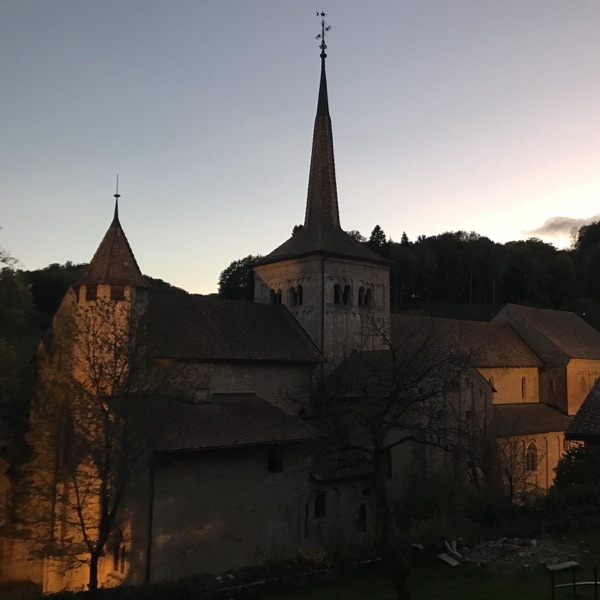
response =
{"points": [[322, 242], [322, 234], [586, 422], [489, 344], [555, 335], [230, 420], [191, 327], [114, 261], [527, 419]]}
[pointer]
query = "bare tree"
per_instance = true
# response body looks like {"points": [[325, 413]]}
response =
{"points": [[411, 393], [85, 430]]}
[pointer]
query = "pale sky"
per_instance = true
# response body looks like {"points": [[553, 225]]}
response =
{"points": [[478, 115]]}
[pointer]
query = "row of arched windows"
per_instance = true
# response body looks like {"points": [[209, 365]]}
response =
{"points": [[295, 296], [340, 296], [344, 295]]}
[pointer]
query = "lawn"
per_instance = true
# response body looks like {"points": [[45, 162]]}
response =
{"points": [[460, 583]]}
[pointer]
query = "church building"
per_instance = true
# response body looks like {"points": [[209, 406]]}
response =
{"points": [[229, 473]]}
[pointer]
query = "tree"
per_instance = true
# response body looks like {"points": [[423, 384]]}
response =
{"points": [[236, 282], [382, 400], [87, 433], [357, 235], [378, 238]]}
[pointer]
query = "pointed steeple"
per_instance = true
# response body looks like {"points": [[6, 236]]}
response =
{"points": [[322, 233], [114, 262], [322, 203]]}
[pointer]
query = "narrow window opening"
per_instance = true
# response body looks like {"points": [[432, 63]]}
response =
{"points": [[320, 505], [347, 297], [91, 292], [293, 297], [531, 457], [272, 297], [368, 298], [337, 294], [361, 296], [523, 388], [362, 517], [300, 295], [275, 459]]}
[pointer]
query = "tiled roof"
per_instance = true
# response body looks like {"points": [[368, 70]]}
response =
{"points": [[229, 420], [527, 419], [114, 261], [555, 335], [190, 327], [489, 344], [586, 422]]}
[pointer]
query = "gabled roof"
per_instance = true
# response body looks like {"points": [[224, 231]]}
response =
{"points": [[322, 234], [229, 421], [586, 422], [191, 327], [555, 336], [489, 344], [527, 418], [114, 261]]}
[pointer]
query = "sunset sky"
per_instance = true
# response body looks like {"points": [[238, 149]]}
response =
{"points": [[448, 114]]}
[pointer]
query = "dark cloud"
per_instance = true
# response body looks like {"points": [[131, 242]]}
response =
{"points": [[560, 226]]}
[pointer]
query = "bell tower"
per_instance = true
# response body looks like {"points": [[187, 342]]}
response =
{"points": [[337, 288]]}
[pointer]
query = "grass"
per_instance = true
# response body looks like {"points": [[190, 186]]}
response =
{"points": [[461, 583]]}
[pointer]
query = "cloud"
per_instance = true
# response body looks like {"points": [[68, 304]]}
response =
{"points": [[560, 226]]}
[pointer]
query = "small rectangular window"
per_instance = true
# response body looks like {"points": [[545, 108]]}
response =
{"points": [[320, 506], [91, 292], [275, 459], [117, 292]]}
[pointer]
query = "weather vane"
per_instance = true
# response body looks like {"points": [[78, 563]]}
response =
{"points": [[117, 195], [321, 36]]}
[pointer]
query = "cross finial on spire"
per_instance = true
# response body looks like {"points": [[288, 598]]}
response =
{"points": [[321, 36], [117, 196]]}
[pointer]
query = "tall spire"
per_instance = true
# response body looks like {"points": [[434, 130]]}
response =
{"points": [[322, 204]]}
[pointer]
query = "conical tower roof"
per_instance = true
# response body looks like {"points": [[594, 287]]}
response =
{"points": [[322, 233], [114, 262]]}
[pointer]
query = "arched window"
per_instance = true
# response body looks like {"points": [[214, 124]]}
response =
{"points": [[361, 296], [320, 505], [347, 297], [272, 297], [368, 298], [362, 517], [278, 297], [531, 457], [293, 296], [337, 294], [523, 388], [300, 295]]}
